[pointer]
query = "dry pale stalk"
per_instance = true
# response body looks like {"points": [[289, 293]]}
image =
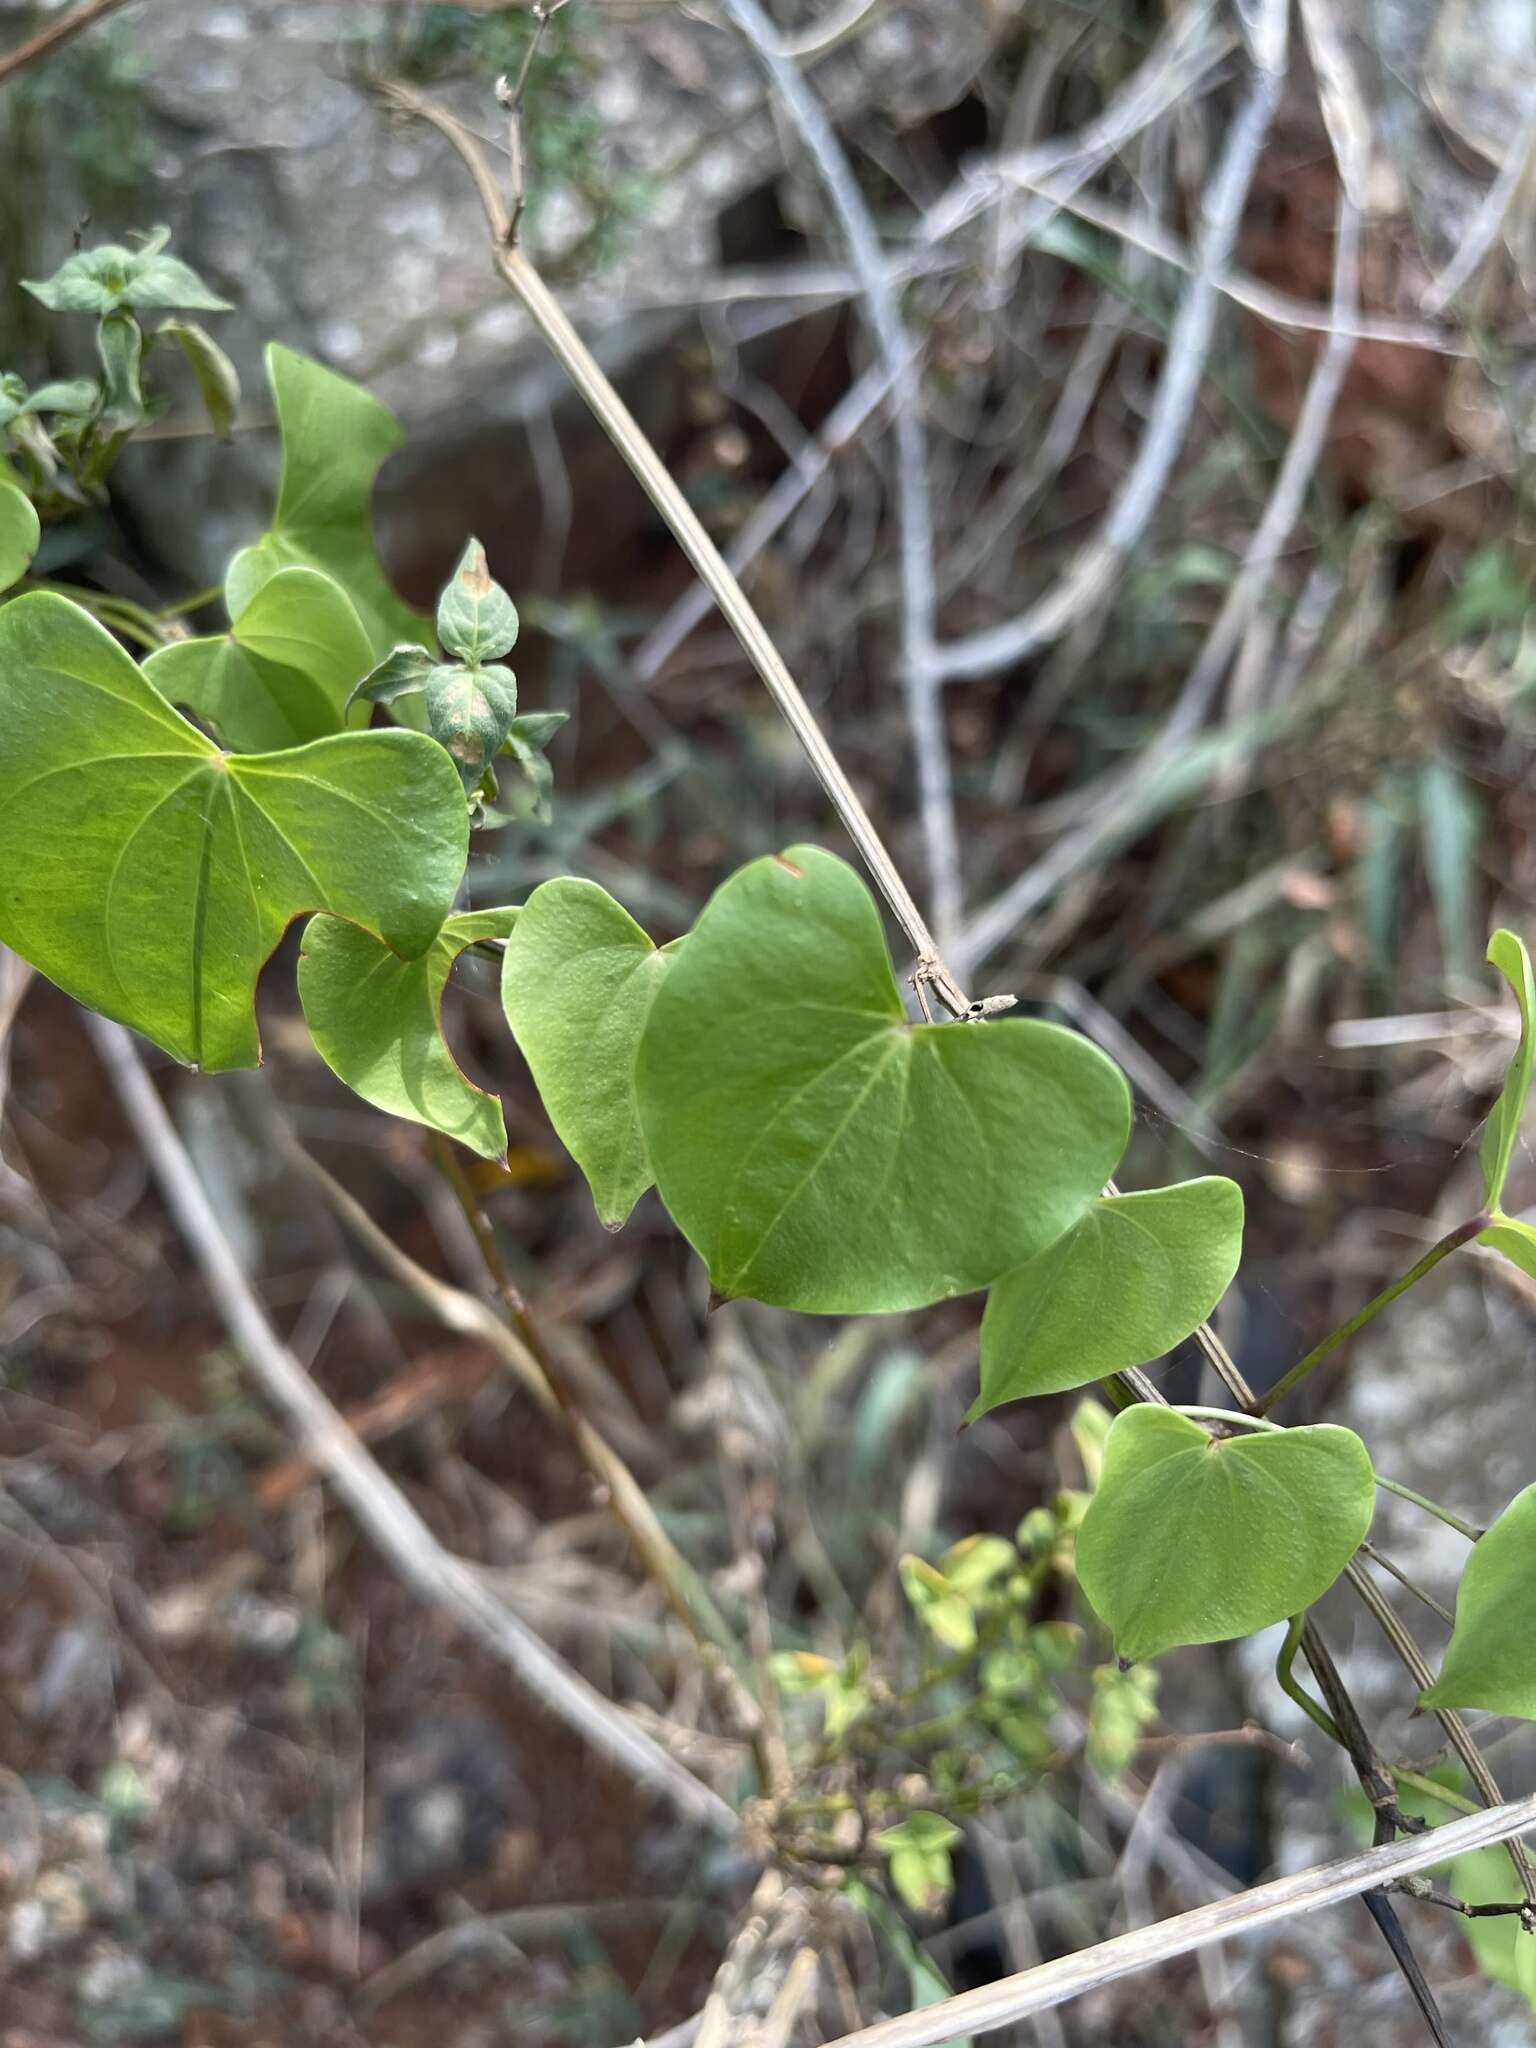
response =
{"points": [[1143, 1948], [451, 1584]]}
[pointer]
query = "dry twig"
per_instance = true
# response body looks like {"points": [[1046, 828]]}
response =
{"points": [[1093, 572], [443, 1581], [585, 373], [55, 36], [921, 676], [1123, 1955]]}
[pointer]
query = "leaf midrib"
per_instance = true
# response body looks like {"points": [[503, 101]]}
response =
{"points": [[882, 1060]]}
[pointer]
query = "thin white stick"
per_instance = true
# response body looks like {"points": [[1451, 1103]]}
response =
{"points": [[1486, 224], [1094, 570], [446, 1582], [1143, 1948], [1192, 48], [920, 677], [1277, 308], [1117, 810], [826, 35], [1262, 555]]}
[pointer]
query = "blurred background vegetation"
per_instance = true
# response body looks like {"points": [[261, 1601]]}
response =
{"points": [[1224, 355]]}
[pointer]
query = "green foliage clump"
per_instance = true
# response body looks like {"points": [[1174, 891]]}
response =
{"points": [[65, 463]]}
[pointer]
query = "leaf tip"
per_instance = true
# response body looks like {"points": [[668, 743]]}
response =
{"points": [[474, 571]]}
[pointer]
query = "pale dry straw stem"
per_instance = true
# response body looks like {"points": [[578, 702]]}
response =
{"points": [[1092, 574], [920, 677], [1327, 1884], [616, 420], [467, 1316], [1487, 223], [1275, 307], [55, 36], [451, 1584], [839, 27], [1118, 807], [1261, 557]]}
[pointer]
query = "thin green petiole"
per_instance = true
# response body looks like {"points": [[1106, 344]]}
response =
{"points": [[1232, 1415], [1431, 1507], [120, 614], [195, 603], [1292, 1687], [1452, 1241]]}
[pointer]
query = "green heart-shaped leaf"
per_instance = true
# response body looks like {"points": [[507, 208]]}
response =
{"points": [[1122, 1286], [1198, 1539], [335, 437], [150, 875], [578, 982], [1491, 1661], [820, 1152], [19, 534], [281, 675], [1502, 1131], [377, 1023]]}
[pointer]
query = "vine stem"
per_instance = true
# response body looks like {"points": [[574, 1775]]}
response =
{"points": [[1452, 1241], [469, 1316], [121, 614], [674, 1578], [1405, 1779], [1457, 1733], [624, 431]]}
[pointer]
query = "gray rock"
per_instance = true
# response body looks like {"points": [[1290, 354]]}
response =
{"points": [[339, 229]]}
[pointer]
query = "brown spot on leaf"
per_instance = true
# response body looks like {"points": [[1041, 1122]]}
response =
{"points": [[789, 867], [475, 576]]}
